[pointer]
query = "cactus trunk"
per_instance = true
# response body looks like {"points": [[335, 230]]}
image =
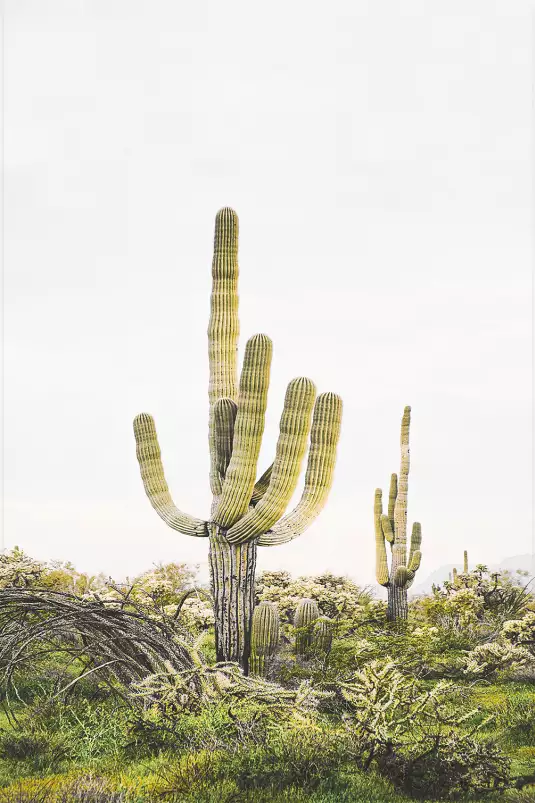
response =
{"points": [[398, 606], [232, 569]]}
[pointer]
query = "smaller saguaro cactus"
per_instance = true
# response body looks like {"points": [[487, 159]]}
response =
{"points": [[322, 634], [465, 562], [392, 528], [455, 577], [306, 613], [265, 633]]}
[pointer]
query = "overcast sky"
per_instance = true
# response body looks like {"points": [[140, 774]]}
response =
{"points": [[379, 158]]}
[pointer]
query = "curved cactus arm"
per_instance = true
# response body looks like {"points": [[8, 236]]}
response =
{"points": [[224, 418], [416, 543], [324, 436], [392, 496], [386, 524], [414, 563], [152, 473], [291, 447], [248, 430], [381, 560], [261, 486], [223, 327]]}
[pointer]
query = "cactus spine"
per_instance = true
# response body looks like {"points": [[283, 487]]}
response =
{"points": [[392, 528], [265, 633], [306, 614], [245, 514]]}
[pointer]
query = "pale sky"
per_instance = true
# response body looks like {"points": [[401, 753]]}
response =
{"points": [[379, 156]]}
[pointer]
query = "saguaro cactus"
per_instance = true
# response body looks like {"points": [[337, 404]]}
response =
{"points": [[245, 514], [392, 527], [465, 562], [306, 613], [265, 633]]}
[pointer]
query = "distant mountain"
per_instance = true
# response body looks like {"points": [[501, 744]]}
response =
{"points": [[523, 562]]}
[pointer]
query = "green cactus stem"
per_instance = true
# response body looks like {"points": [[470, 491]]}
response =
{"points": [[306, 614], [391, 528], [465, 562], [322, 635], [265, 634], [455, 577], [245, 513]]}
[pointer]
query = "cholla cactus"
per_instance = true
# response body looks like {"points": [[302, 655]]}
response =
{"points": [[245, 514], [265, 634], [306, 614], [393, 528]]}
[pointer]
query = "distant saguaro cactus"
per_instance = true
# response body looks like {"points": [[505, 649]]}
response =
{"points": [[465, 562], [455, 576], [265, 634], [245, 515], [392, 528], [306, 613]]}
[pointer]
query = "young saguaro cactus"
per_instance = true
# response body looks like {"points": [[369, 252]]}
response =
{"points": [[265, 634], [392, 528], [306, 614], [245, 514], [465, 562]]}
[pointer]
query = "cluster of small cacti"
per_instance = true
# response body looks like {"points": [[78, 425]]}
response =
{"points": [[265, 635], [244, 513], [392, 528]]}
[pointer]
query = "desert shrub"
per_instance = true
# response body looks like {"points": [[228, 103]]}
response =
{"points": [[486, 660], [477, 604], [521, 631], [421, 736]]}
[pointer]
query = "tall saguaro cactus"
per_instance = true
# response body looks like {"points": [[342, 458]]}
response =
{"points": [[392, 528], [245, 514]]}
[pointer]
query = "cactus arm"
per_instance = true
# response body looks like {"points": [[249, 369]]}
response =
{"points": [[381, 560], [386, 524], [324, 436], [414, 563], [152, 473], [416, 542], [291, 447], [223, 327], [224, 418], [392, 496], [261, 486], [248, 431]]}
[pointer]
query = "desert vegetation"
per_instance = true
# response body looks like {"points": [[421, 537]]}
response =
{"points": [[113, 692], [267, 687]]}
